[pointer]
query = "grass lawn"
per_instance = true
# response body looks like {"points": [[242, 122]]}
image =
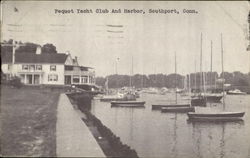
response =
{"points": [[28, 121]]}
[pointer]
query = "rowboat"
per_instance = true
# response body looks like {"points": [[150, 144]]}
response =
{"points": [[118, 97], [178, 109], [159, 107], [127, 103], [215, 116], [236, 92]]}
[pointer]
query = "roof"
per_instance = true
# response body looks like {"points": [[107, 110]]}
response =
{"points": [[80, 66], [34, 58]]}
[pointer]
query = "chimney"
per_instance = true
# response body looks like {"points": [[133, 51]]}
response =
{"points": [[76, 62], [38, 50]]}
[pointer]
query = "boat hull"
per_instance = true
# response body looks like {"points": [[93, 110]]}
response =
{"points": [[159, 107], [127, 104], [198, 101], [214, 98], [232, 93], [216, 116], [115, 99], [178, 109]]}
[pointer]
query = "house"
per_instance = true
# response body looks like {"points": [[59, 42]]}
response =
{"points": [[46, 68]]}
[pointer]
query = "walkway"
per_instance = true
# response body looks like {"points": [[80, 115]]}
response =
{"points": [[73, 138]]}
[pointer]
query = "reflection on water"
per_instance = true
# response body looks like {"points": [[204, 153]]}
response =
{"points": [[156, 134]]}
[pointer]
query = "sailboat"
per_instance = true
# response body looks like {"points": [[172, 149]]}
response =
{"points": [[213, 97], [129, 103], [225, 116], [200, 99], [112, 97], [177, 107]]}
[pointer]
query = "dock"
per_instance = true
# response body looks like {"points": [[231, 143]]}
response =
{"points": [[73, 138]]}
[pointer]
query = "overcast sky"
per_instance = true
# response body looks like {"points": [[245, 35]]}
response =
{"points": [[150, 39]]}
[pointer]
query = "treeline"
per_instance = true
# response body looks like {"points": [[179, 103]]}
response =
{"points": [[237, 78], [171, 80], [27, 47], [139, 81]]}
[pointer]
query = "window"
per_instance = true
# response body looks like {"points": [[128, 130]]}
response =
{"points": [[52, 77], [84, 68], [32, 67], [52, 67], [25, 67], [84, 79], [91, 79], [68, 68], [39, 67], [76, 79]]}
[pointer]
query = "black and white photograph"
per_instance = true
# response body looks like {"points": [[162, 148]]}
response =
{"points": [[167, 79]]}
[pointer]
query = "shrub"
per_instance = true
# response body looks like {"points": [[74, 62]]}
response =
{"points": [[16, 82]]}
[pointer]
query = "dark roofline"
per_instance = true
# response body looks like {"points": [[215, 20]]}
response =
{"points": [[30, 58], [80, 66]]}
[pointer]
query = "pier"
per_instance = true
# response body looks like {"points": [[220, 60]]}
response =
{"points": [[73, 138]]}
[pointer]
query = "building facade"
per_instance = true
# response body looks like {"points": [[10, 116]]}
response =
{"points": [[48, 69]]}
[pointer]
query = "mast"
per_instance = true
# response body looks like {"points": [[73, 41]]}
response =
{"points": [[211, 68], [195, 75], [175, 80], [201, 76], [222, 67], [189, 87], [130, 79]]}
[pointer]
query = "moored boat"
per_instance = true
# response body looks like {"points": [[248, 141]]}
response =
{"points": [[198, 101], [214, 98], [236, 92], [215, 116], [127, 103], [178, 109], [158, 107], [119, 97]]}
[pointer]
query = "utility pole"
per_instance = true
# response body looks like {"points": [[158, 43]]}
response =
{"points": [[13, 29], [14, 46]]}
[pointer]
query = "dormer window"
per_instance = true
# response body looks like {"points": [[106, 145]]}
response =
{"points": [[38, 67], [32, 67], [52, 67], [25, 67]]}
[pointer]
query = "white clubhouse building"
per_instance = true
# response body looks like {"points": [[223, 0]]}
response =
{"points": [[46, 68]]}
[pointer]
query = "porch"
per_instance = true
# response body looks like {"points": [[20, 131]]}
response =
{"points": [[34, 78]]}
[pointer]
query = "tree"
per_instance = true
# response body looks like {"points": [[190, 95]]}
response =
{"points": [[49, 48], [28, 48]]}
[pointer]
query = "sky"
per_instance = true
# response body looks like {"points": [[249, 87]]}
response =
{"points": [[144, 43]]}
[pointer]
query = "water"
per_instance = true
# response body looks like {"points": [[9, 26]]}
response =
{"points": [[155, 134]]}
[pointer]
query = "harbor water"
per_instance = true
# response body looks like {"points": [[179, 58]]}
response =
{"points": [[155, 134]]}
